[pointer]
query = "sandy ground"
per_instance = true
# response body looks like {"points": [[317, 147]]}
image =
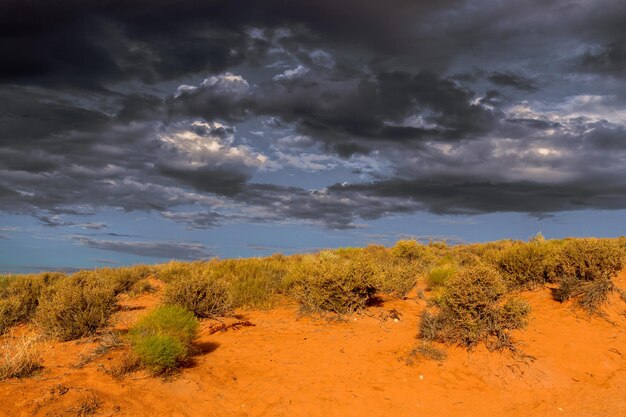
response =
{"points": [[284, 365]]}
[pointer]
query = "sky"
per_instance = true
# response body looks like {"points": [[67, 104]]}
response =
{"points": [[140, 131]]}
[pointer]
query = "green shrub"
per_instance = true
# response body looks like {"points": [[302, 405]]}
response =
{"points": [[76, 306], [200, 292], [163, 339], [333, 285], [471, 312]]}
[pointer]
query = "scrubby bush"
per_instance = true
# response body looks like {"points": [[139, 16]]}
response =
{"points": [[124, 278], [396, 277], [19, 297], [471, 311], [200, 292], [163, 339], [584, 269], [407, 249], [76, 306], [327, 283], [523, 265]]}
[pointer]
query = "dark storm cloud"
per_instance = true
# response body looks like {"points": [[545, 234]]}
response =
{"points": [[88, 44], [168, 250], [341, 113], [461, 107], [512, 80], [459, 195]]}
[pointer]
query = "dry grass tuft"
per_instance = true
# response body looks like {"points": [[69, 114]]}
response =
{"points": [[20, 357]]}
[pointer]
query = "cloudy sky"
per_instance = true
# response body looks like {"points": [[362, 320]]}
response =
{"points": [[140, 131]]}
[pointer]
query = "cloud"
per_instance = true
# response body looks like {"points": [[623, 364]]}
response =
{"points": [[166, 250], [199, 111], [512, 80], [94, 226], [291, 74]]}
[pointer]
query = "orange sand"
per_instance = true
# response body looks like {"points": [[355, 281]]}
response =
{"points": [[284, 365]]}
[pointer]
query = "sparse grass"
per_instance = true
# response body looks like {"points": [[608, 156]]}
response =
{"points": [[438, 275], [427, 351], [88, 406], [162, 340], [20, 357], [142, 286], [129, 363]]}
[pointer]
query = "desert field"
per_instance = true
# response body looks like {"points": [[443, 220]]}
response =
{"points": [[345, 332]]}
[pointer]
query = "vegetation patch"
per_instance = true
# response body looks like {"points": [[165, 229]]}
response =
{"points": [[438, 275], [473, 309], [200, 292], [76, 306], [331, 284], [20, 357], [19, 297], [162, 340], [426, 350], [584, 269]]}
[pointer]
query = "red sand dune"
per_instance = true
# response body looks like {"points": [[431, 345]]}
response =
{"points": [[284, 365]]}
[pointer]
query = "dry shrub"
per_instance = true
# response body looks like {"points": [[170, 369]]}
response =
{"points": [[76, 306], [427, 351], [329, 283], [396, 277], [471, 311], [19, 297], [584, 269], [174, 270], [525, 265], [20, 357], [200, 292], [410, 250], [88, 406]]}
